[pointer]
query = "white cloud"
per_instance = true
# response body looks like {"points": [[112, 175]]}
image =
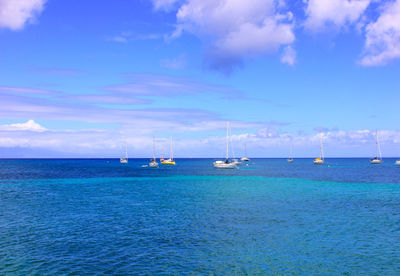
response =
{"points": [[29, 125], [322, 13], [15, 13], [383, 37], [289, 56], [236, 29]]}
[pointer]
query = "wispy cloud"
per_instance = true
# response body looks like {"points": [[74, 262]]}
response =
{"points": [[289, 56], [55, 71], [174, 63], [153, 85], [128, 36]]}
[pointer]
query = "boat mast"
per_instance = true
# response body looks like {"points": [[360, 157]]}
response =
{"points": [[126, 150], [245, 150], [378, 148], [227, 140], [322, 147], [291, 153], [171, 154], [154, 149]]}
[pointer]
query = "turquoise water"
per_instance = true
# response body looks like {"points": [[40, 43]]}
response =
{"points": [[100, 217]]}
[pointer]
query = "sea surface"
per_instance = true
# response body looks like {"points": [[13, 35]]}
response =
{"points": [[270, 217]]}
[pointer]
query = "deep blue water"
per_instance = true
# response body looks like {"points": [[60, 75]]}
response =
{"points": [[100, 217]]}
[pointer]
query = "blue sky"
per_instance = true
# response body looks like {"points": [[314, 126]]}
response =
{"points": [[79, 78]]}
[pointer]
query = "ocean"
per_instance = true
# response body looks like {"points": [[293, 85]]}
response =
{"points": [[97, 216]]}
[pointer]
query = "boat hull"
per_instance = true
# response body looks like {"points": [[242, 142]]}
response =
{"points": [[375, 161], [123, 160], [168, 163], [223, 165], [318, 161], [397, 163]]}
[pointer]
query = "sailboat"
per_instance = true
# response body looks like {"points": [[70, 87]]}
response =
{"points": [[245, 159], [171, 160], [290, 159], [124, 160], [321, 159], [225, 164], [397, 162], [377, 160], [153, 163]]}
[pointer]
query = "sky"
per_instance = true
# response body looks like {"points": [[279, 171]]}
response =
{"points": [[82, 78]]}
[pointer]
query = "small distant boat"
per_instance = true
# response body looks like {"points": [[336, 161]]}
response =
{"points": [[377, 160], [227, 164], [245, 159], [171, 160], [153, 163], [290, 159], [124, 160], [321, 159], [397, 162]]}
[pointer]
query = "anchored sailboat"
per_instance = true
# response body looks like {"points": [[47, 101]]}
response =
{"points": [[153, 163], [321, 159], [290, 159], [171, 160], [376, 159], [227, 164], [124, 160], [245, 159]]}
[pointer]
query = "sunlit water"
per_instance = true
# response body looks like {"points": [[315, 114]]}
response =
{"points": [[270, 217]]}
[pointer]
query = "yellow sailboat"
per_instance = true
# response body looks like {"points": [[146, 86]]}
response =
{"points": [[171, 160], [321, 159]]}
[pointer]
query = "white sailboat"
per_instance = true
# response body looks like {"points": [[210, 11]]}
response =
{"points": [[225, 164], [397, 162], [378, 158], [321, 159], [171, 160], [245, 159], [124, 160], [290, 159], [153, 163]]}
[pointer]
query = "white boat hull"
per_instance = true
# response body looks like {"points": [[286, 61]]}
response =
{"points": [[318, 162], [397, 163], [223, 165], [123, 160], [376, 161], [245, 159]]}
